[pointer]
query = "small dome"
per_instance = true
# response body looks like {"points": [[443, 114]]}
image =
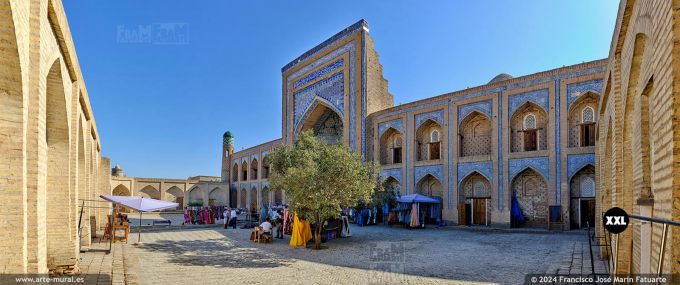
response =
{"points": [[117, 166], [228, 138], [501, 77]]}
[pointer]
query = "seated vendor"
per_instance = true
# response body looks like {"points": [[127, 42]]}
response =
{"points": [[266, 227]]}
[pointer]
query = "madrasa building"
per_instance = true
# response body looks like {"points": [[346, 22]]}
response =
{"points": [[529, 138]]}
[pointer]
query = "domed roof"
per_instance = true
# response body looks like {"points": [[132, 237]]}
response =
{"points": [[228, 138], [117, 166], [501, 77]]}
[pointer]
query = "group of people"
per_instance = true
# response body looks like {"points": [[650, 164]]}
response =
{"points": [[230, 218], [276, 219], [267, 226]]}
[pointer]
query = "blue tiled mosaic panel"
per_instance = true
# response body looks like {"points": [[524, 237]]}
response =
{"points": [[540, 164], [483, 107], [347, 48], [394, 172], [384, 126], [437, 116], [577, 161], [576, 89], [538, 97], [330, 89], [319, 73], [484, 168], [264, 184], [434, 170]]}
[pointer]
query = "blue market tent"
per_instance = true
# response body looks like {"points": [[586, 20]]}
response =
{"points": [[417, 198]]}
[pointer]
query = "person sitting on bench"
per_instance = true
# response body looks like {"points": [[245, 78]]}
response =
{"points": [[266, 227]]}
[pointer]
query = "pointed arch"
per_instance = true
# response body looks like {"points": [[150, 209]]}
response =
{"points": [[244, 171], [530, 188], [195, 195], [264, 196], [324, 120], [217, 197], [243, 198], [253, 203], [120, 190], [234, 172], [426, 147], [475, 133], [150, 192], [58, 143], [12, 145], [581, 120], [582, 191], [429, 185], [253, 169], [532, 137], [175, 194], [391, 146]]}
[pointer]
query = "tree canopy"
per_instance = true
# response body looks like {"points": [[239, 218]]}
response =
{"points": [[321, 179]]}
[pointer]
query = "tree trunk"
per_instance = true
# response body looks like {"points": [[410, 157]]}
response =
{"points": [[317, 232]]}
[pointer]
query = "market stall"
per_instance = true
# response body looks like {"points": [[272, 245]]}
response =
{"points": [[416, 210]]}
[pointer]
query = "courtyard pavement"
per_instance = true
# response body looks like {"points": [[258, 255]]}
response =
{"points": [[373, 255]]}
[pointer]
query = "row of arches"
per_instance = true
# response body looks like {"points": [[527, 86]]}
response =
{"points": [[528, 132], [249, 199], [249, 171], [529, 191], [217, 196]]}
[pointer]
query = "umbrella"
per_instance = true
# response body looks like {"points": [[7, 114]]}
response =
{"points": [[417, 198], [141, 205]]}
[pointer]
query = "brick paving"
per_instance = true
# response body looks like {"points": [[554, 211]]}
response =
{"points": [[373, 255]]}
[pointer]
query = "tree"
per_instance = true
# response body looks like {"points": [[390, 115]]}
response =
{"points": [[321, 179]]}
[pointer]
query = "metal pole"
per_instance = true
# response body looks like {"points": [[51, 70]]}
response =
{"points": [[590, 247], [662, 249], [113, 211], [139, 232]]}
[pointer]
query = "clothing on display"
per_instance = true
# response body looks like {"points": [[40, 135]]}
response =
{"points": [[203, 215]]}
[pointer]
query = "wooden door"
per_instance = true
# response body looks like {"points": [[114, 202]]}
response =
{"points": [[530, 141], [479, 211]]}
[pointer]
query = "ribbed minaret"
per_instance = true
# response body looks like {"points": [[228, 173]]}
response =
{"points": [[227, 154]]}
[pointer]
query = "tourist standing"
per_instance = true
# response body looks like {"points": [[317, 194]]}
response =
{"points": [[233, 218], [226, 216]]}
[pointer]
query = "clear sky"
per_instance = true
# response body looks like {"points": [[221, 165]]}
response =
{"points": [[161, 109]]}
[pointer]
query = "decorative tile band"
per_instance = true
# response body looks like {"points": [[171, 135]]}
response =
{"points": [[483, 168], [330, 89], [538, 97], [437, 116], [395, 124], [575, 90], [319, 73], [393, 172], [483, 107], [264, 184], [434, 170], [540, 164], [577, 161]]}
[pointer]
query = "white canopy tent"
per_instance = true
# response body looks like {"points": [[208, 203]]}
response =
{"points": [[141, 205]]}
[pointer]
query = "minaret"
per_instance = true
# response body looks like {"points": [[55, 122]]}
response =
{"points": [[227, 154]]}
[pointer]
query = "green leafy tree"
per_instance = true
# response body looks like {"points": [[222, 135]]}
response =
{"points": [[321, 179]]}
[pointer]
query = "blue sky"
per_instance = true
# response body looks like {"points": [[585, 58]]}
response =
{"points": [[161, 109]]}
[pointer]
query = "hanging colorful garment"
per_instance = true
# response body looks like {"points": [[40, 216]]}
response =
{"points": [[415, 220], [301, 232]]}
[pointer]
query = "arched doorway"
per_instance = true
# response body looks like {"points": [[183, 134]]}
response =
{"points": [[475, 135], [325, 123], [253, 200], [528, 128], [233, 197], [234, 173], [217, 197], [253, 169], [176, 195], [243, 203], [430, 186], [265, 196], [582, 204], [474, 197], [195, 197], [150, 192], [391, 147], [59, 250], [530, 188], [428, 141]]}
